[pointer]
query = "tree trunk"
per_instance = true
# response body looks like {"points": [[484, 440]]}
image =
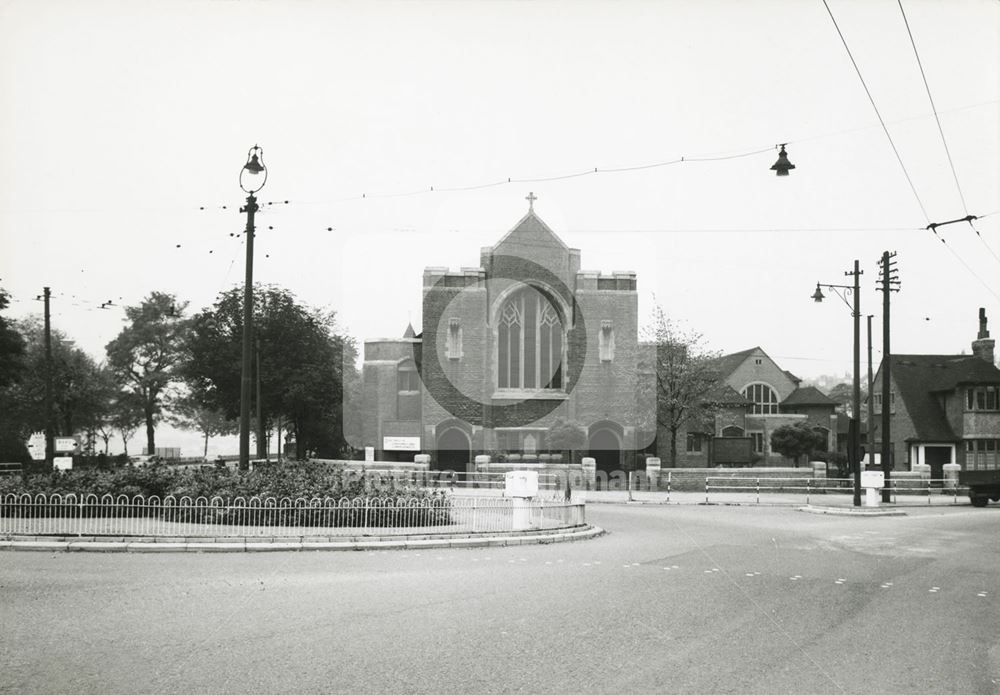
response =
{"points": [[673, 447], [204, 454], [150, 430], [125, 444]]}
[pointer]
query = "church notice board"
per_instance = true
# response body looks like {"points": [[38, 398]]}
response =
{"points": [[401, 443]]}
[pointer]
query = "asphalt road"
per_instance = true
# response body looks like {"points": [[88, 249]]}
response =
{"points": [[679, 599]]}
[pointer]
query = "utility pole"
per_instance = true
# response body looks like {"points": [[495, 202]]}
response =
{"points": [[889, 284], [49, 419], [856, 415], [871, 411]]}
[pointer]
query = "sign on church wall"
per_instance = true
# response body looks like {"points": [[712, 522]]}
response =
{"points": [[401, 443]]}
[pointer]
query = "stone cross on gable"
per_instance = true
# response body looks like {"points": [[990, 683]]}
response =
{"points": [[531, 198]]}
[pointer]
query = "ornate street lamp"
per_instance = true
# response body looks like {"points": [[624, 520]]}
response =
{"points": [[855, 436], [253, 176]]}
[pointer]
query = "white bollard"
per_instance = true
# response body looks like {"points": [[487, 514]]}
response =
{"points": [[653, 472]]}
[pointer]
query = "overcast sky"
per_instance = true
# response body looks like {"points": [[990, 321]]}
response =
{"points": [[121, 120]]}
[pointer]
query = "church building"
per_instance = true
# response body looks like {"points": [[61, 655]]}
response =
{"points": [[509, 347]]}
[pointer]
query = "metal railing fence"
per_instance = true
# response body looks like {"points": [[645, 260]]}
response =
{"points": [[90, 515], [931, 488]]}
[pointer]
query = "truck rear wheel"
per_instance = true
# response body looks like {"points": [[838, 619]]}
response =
{"points": [[978, 500]]}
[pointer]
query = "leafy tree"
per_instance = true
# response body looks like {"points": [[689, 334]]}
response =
{"points": [[12, 369], [683, 379], [11, 347], [147, 353], [81, 388], [304, 366], [127, 416], [188, 413], [796, 440], [844, 395], [566, 436]]}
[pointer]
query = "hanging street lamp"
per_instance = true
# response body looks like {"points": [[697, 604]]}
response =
{"points": [[782, 166]]}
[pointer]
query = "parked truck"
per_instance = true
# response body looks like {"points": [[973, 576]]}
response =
{"points": [[983, 486]]}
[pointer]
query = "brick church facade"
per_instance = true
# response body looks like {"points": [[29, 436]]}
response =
{"points": [[507, 348]]}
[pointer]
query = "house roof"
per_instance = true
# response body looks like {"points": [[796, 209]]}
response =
{"points": [[724, 394], [409, 332], [919, 377], [727, 364], [809, 395]]}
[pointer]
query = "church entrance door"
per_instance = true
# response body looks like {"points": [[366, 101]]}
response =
{"points": [[605, 449], [454, 451]]}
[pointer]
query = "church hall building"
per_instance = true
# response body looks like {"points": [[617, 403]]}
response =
{"points": [[523, 341]]}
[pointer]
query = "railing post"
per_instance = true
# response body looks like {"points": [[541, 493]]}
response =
{"points": [[758, 490], [808, 488], [706, 489], [669, 478]]}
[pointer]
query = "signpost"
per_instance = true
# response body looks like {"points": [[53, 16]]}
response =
{"points": [[63, 463], [65, 444], [36, 446], [872, 482]]}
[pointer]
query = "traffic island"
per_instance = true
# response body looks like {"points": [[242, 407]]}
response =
{"points": [[852, 511], [150, 544]]}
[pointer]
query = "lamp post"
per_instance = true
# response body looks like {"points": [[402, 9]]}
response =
{"points": [[253, 176], [855, 440]]}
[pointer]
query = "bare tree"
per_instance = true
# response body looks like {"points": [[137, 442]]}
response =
{"points": [[684, 378]]}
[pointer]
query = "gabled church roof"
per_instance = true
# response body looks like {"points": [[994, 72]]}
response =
{"points": [[531, 230], [409, 332]]}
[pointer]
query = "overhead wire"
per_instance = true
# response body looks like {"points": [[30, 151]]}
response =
{"points": [[944, 140], [895, 150], [871, 99]]}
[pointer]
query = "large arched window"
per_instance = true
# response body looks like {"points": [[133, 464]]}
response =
{"points": [[529, 343], [763, 398]]}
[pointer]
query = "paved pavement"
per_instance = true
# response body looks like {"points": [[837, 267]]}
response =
{"points": [[795, 498], [675, 598]]}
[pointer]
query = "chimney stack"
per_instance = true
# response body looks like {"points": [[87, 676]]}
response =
{"points": [[982, 346]]}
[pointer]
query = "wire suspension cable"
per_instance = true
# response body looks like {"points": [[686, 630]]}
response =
{"points": [[930, 98], [877, 113]]}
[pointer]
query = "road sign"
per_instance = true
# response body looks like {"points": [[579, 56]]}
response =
{"points": [[63, 463], [65, 444], [872, 479], [36, 446]]}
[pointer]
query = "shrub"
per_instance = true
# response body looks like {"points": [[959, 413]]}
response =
{"points": [[295, 481]]}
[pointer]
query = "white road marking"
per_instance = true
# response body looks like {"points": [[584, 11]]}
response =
{"points": [[933, 589], [981, 594]]}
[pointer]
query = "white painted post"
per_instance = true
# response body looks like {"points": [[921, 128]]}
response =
{"points": [[951, 476], [653, 472]]}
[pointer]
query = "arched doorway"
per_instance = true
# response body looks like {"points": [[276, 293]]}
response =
{"points": [[454, 450], [606, 450]]}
